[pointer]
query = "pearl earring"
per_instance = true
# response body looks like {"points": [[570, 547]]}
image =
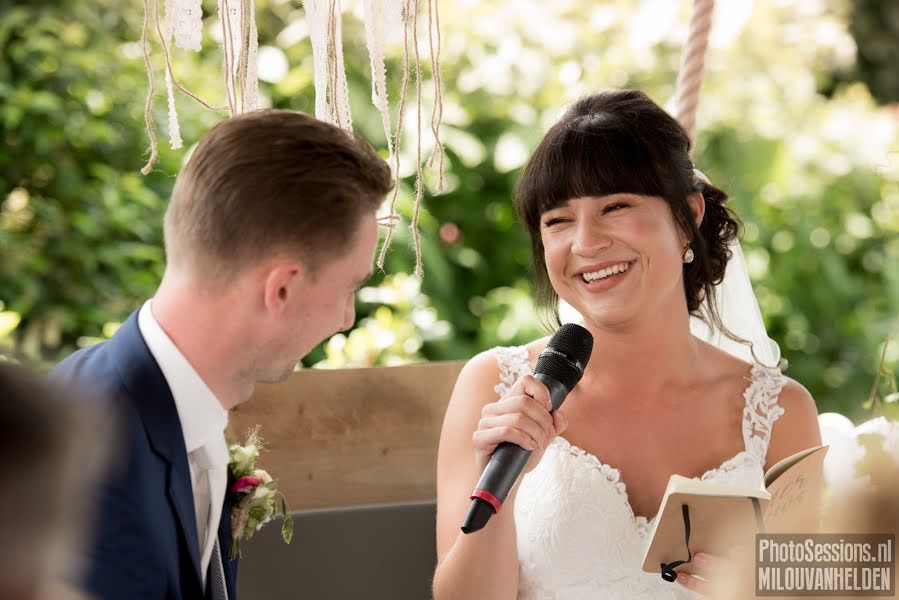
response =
{"points": [[688, 254]]}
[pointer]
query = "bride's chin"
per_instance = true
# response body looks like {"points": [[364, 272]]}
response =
{"points": [[607, 316]]}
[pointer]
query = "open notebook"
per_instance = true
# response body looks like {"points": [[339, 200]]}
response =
{"points": [[712, 517]]}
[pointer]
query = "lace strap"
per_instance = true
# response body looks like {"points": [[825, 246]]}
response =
{"points": [[762, 409], [513, 363]]}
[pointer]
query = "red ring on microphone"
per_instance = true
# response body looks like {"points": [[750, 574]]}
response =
{"points": [[488, 497]]}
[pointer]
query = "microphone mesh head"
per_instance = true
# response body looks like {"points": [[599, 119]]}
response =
{"points": [[566, 355]]}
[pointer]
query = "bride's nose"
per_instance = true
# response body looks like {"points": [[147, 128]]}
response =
{"points": [[589, 239]]}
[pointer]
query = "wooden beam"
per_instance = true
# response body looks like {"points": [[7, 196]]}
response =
{"points": [[351, 436]]}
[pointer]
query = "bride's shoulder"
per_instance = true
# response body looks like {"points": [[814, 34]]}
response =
{"points": [[790, 408], [535, 348], [490, 365], [797, 427], [792, 395], [725, 367]]}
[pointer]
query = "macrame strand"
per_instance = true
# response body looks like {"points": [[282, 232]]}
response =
{"points": [[242, 64], [393, 218], [419, 178], [341, 91], [318, 36], [227, 47], [148, 108], [689, 78], [183, 24], [331, 91], [375, 34], [332, 62], [168, 62], [251, 99], [437, 112]]}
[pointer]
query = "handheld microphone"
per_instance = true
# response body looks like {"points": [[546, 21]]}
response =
{"points": [[559, 367]]}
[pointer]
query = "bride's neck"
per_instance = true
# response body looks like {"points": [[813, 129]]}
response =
{"points": [[647, 355]]}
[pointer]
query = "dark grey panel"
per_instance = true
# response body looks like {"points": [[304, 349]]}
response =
{"points": [[384, 552]]}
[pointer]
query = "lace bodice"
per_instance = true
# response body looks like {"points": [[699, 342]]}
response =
{"points": [[578, 537]]}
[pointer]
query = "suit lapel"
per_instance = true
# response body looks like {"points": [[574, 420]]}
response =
{"points": [[154, 402], [228, 566]]}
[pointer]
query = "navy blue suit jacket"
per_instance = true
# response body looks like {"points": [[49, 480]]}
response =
{"points": [[144, 544]]}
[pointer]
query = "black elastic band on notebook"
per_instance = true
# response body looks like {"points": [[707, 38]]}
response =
{"points": [[668, 572]]}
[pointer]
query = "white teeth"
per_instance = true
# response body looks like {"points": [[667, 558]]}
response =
{"points": [[602, 273]]}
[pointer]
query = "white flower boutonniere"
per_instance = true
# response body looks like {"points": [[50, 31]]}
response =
{"points": [[255, 498]]}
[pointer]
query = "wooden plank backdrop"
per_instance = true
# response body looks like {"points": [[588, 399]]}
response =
{"points": [[351, 437]]}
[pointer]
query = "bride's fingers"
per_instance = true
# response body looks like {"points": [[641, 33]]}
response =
{"points": [[518, 421], [531, 386], [707, 567], [525, 405], [693, 583], [708, 564], [486, 440]]}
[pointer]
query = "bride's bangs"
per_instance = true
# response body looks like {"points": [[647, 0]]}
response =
{"points": [[587, 157]]}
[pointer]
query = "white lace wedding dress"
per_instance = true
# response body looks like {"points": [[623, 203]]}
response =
{"points": [[578, 538]]}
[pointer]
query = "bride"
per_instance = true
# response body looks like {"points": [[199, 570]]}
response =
{"points": [[624, 230]]}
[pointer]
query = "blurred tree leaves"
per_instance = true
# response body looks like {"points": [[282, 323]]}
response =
{"points": [[811, 175], [875, 28]]}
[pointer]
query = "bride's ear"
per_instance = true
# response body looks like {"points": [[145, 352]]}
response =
{"points": [[697, 207]]}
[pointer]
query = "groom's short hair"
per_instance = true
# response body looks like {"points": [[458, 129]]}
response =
{"points": [[267, 182]]}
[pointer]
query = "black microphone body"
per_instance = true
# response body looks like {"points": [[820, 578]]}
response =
{"points": [[563, 359]]}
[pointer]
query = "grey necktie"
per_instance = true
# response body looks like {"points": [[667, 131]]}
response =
{"points": [[216, 576]]}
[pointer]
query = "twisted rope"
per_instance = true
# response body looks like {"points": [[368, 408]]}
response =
{"points": [[419, 183], [148, 107], [393, 218], [437, 113], [689, 78]]}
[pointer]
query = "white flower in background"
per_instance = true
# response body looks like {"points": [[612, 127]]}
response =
{"points": [[846, 450]]}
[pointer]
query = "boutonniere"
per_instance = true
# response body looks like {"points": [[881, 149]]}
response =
{"points": [[254, 496]]}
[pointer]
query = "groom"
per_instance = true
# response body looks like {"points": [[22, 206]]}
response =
{"points": [[270, 230]]}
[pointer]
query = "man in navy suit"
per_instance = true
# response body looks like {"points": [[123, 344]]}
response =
{"points": [[270, 230]]}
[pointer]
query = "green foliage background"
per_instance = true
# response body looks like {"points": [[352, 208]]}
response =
{"points": [[787, 125]]}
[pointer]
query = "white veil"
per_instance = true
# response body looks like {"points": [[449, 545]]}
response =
{"points": [[739, 311]]}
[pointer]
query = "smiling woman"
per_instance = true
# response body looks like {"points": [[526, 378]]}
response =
{"points": [[623, 146], [625, 230]]}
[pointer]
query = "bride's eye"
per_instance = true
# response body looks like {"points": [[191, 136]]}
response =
{"points": [[554, 221], [614, 206]]}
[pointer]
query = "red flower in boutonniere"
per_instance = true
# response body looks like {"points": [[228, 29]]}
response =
{"points": [[255, 498]]}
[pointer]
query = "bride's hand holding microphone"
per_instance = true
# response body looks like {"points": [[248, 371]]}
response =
{"points": [[513, 433], [524, 417]]}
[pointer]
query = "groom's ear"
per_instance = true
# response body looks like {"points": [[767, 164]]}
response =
{"points": [[283, 281], [697, 207]]}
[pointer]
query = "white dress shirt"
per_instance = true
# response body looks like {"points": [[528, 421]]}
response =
{"points": [[203, 422]]}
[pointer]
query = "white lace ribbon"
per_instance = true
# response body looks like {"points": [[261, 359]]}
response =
{"points": [[376, 31], [187, 21], [332, 102], [173, 9]]}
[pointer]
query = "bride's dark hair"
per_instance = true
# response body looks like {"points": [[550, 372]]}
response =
{"points": [[622, 142]]}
